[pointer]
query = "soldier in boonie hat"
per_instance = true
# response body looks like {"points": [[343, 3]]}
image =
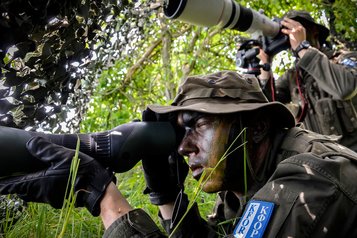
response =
{"points": [[219, 106], [320, 89], [224, 103], [249, 151]]}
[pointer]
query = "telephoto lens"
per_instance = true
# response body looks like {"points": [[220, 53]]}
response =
{"points": [[221, 13]]}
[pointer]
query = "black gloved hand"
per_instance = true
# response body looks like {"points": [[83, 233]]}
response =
{"points": [[164, 176], [49, 185]]}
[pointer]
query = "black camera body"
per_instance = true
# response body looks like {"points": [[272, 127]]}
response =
{"points": [[246, 57], [248, 51]]}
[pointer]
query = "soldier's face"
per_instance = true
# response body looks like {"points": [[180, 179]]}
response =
{"points": [[204, 144]]}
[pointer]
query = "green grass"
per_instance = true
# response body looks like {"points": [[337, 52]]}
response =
{"points": [[42, 221]]}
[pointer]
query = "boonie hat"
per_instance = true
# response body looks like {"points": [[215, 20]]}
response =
{"points": [[304, 18], [222, 93]]}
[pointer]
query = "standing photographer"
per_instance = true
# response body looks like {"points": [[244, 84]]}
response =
{"points": [[321, 89]]}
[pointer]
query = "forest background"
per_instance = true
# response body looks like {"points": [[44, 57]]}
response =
{"points": [[70, 66]]}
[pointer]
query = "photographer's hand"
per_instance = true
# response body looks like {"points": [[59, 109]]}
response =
{"points": [[265, 75], [50, 184], [296, 33]]}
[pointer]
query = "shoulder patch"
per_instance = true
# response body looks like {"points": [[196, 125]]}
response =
{"points": [[254, 220], [349, 63], [348, 59]]}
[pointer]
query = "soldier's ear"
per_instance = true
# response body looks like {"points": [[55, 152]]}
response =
{"points": [[259, 125], [260, 129]]}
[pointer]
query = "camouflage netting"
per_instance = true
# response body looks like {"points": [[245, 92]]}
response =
{"points": [[52, 50]]}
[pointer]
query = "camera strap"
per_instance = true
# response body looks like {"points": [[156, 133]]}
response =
{"points": [[304, 105]]}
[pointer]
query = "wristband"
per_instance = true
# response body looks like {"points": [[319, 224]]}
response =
{"points": [[303, 45]]}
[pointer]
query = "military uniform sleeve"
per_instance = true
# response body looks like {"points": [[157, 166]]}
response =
{"points": [[136, 223], [337, 80], [310, 199]]}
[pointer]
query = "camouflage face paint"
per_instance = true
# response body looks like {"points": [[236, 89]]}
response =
{"points": [[205, 142]]}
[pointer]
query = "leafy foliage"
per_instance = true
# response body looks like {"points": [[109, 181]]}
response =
{"points": [[170, 50], [92, 65]]}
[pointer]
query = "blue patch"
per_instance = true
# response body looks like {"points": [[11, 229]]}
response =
{"points": [[254, 220], [349, 63]]}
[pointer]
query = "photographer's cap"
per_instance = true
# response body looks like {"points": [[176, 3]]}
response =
{"points": [[306, 19], [222, 93]]}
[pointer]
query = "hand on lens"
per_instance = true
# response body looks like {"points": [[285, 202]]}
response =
{"points": [[295, 31], [50, 184]]}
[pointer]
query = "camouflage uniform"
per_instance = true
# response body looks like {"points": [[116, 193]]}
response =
{"points": [[321, 90], [326, 90], [308, 177]]}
